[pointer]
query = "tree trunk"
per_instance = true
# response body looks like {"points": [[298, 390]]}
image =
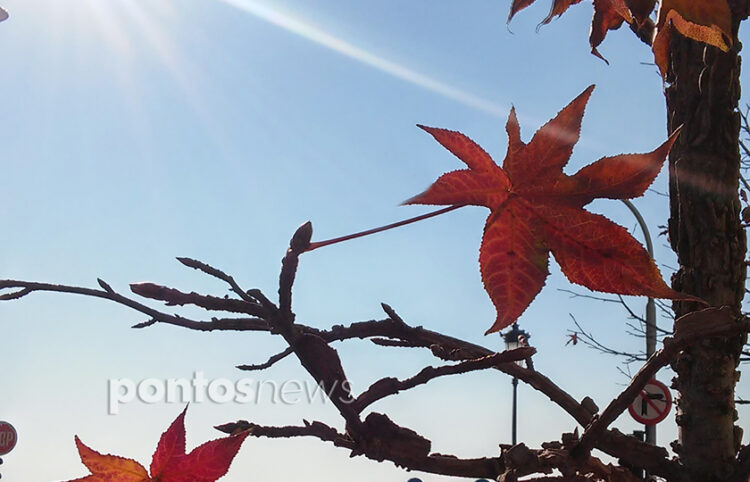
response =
{"points": [[702, 94]]}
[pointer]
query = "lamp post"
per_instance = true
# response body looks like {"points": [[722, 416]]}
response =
{"points": [[650, 430], [513, 339]]}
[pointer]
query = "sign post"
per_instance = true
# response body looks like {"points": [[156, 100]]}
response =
{"points": [[652, 405]]}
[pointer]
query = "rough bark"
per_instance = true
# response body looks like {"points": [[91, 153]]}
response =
{"points": [[702, 94]]}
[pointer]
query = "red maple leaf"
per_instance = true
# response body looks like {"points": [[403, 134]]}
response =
{"points": [[205, 463], [536, 208]]}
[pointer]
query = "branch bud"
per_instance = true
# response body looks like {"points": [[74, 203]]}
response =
{"points": [[301, 239]]}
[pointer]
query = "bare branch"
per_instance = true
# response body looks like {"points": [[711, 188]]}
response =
{"points": [[411, 451], [405, 450], [320, 360], [316, 429], [175, 297], [665, 309], [271, 361], [376, 437], [219, 274], [390, 386], [629, 310], [574, 294], [15, 295], [238, 324], [394, 343], [298, 244], [145, 324]]}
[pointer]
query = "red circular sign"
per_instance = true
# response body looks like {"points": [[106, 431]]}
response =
{"points": [[8, 437], [652, 405]]}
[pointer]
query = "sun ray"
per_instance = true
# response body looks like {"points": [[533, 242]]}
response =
{"points": [[317, 35]]}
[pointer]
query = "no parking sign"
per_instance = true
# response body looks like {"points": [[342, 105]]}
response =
{"points": [[652, 405]]}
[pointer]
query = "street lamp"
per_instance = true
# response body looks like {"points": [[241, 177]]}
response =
{"points": [[650, 308], [515, 338]]}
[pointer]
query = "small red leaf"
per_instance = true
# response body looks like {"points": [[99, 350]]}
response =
{"points": [[171, 445]]}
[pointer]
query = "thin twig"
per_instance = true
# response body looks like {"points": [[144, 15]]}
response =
{"points": [[174, 297], [271, 361], [588, 339], [217, 273]]}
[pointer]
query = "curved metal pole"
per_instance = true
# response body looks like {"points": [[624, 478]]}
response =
{"points": [[642, 224], [650, 307], [514, 431]]}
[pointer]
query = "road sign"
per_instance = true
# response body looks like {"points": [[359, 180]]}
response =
{"points": [[652, 405], [8, 437]]}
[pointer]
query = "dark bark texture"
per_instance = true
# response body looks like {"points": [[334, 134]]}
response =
{"points": [[702, 93]]}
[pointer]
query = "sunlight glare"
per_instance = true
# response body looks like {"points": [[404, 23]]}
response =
{"points": [[317, 35]]}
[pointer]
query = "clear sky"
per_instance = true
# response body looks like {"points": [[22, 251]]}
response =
{"points": [[135, 131]]}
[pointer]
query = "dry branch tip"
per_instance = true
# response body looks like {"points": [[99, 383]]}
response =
{"points": [[145, 324]]}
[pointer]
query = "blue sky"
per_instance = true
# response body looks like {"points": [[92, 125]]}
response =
{"points": [[136, 131]]}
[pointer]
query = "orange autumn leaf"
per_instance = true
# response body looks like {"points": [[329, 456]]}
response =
{"points": [[169, 463], [708, 21], [537, 209], [109, 467]]}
